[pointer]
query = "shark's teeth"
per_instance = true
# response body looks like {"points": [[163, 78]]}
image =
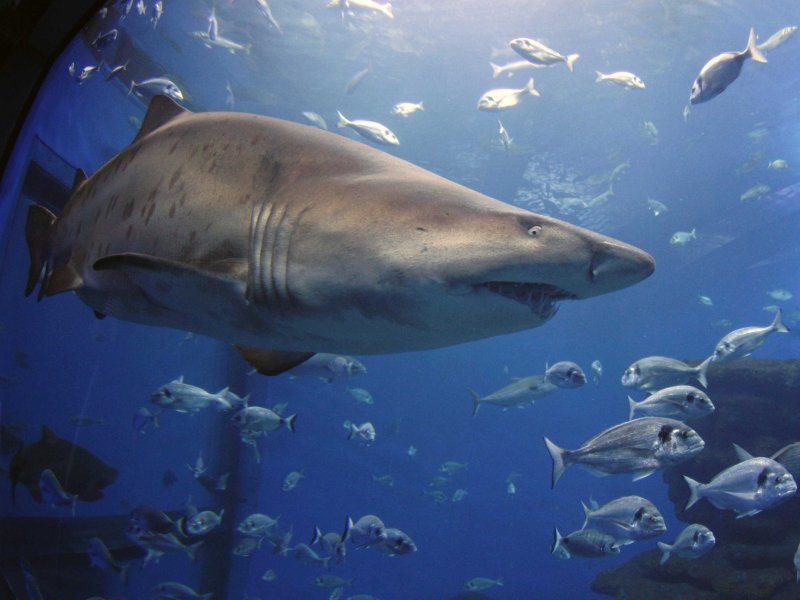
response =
{"points": [[540, 298]]}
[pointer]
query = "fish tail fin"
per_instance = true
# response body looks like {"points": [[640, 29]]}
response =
{"points": [[496, 71], [530, 89], [694, 492], [387, 10], [632, 404], [130, 89], [600, 76], [499, 581], [348, 525], [701, 371], [327, 563], [777, 323], [665, 551], [289, 422], [247, 49], [192, 550], [38, 231], [422, 106], [315, 536], [559, 464], [571, 58], [557, 540], [352, 431], [586, 511], [123, 573], [752, 50], [343, 122], [476, 402]]}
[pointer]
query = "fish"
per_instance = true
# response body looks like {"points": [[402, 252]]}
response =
{"points": [[331, 581], [385, 9], [245, 546], [505, 139], [650, 132], [78, 471], [265, 10], [178, 591], [341, 295], [269, 575], [438, 495], [396, 543], [694, 541], [186, 398], [628, 519], [104, 39], [520, 392], [451, 467], [503, 98], [627, 80], [743, 342], [306, 555], [53, 494], [365, 432], [221, 42], [199, 466], [778, 163], [538, 53], [158, 12], [356, 80], [202, 523], [681, 238], [257, 524], [680, 402], [88, 71], [587, 543], [315, 119], [370, 130], [367, 531], [755, 192], [383, 480], [658, 372], [478, 584], [160, 86], [656, 207], [115, 71], [404, 109], [149, 518], [459, 495], [144, 417], [333, 543], [329, 367], [230, 99], [100, 557], [597, 370], [292, 480], [722, 70], [639, 447], [257, 419], [779, 38], [705, 301], [361, 395], [746, 488], [511, 68], [565, 374]]}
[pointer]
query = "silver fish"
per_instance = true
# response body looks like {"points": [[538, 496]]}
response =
{"points": [[370, 130], [396, 543], [722, 70], [657, 372], [265, 10], [100, 557], [53, 494], [304, 554], [538, 53], [178, 591], [335, 261], [623, 78], [356, 80], [333, 543], [597, 370], [742, 342], [588, 543], [257, 419], [681, 402], [364, 432], [746, 488], [329, 367], [502, 98], [203, 522], [257, 524], [158, 85], [505, 138], [520, 392], [627, 519], [694, 541], [778, 38], [367, 531], [186, 398], [639, 447], [316, 119], [565, 374], [511, 68]]}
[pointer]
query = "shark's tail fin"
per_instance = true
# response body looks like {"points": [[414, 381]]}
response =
{"points": [[777, 324], [38, 230]]}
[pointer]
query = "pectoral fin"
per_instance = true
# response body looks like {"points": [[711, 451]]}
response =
{"points": [[637, 475], [273, 362]]}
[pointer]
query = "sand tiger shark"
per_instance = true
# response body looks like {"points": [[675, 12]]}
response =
{"points": [[287, 240]]}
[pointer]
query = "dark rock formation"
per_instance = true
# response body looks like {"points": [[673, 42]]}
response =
{"points": [[758, 407]]}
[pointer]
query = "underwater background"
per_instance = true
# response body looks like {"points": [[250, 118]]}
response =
{"points": [[57, 361]]}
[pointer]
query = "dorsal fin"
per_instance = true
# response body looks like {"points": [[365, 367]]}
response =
{"points": [[161, 111], [77, 182], [48, 436]]}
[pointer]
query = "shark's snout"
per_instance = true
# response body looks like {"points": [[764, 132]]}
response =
{"points": [[616, 265]]}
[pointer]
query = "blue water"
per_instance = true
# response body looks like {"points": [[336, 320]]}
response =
{"points": [[436, 52]]}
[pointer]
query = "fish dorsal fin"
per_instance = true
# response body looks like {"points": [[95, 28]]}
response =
{"points": [[78, 180], [273, 362], [160, 112], [48, 436]]}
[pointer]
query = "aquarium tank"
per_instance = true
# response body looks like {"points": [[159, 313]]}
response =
{"points": [[400, 299]]}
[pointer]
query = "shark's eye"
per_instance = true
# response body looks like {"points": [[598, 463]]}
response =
{"points": [[534, 230]]}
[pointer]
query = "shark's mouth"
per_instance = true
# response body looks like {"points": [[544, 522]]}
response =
{"points": [[541, 298]]}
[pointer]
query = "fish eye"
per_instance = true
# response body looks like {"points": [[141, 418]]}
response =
{"points": [[685, 434], [167, 393], [535, 230], [690, 398]]}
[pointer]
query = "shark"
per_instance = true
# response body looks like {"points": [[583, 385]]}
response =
{"points": [[285, 240]]}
